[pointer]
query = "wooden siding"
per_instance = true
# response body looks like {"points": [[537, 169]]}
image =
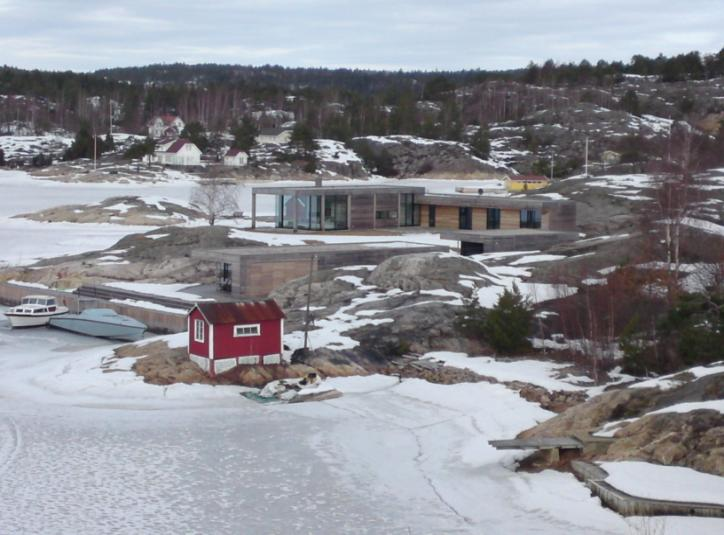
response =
{"points": [[425, 216], [362, 213], [509, 219], [260, 278], [388, 202], [447, 217], [480, 218]]}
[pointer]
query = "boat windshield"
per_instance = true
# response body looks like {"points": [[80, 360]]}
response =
{"points": [[29, 301]]}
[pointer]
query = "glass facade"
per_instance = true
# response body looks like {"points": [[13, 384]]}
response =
{"points": [[308, 212], [410, 212], [335, 212], [530, 218]]}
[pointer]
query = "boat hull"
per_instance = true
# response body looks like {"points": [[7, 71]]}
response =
{"points": [[100, 329], [19, 321]]}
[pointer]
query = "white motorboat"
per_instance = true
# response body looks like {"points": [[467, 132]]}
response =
{"points": [[34, 311], [102, 322]]}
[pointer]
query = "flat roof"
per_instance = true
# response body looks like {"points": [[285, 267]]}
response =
{"points": [[320, 248], [483, 236], [487, 201], [336, 190], [508, 233]]}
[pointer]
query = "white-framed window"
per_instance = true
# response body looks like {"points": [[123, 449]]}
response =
{"points": [[247, 330], [199, 331]]}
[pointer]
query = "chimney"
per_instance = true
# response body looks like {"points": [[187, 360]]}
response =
{"points": [[318, 181]]}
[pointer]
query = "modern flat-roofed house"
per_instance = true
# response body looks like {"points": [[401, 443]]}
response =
{"points": [[518, 183], [342, 207], [326, 208], [274, 136], [178, 152], [235, 158], [480, 223], [223, 336], [165, 126]]}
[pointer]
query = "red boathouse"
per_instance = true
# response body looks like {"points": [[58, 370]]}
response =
{"points": [[223, 336]]}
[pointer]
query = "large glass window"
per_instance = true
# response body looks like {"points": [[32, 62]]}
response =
{"points": [[465, 218], [335, 212], [410, 216], [530, 218], [493, 218], [306, 208]]}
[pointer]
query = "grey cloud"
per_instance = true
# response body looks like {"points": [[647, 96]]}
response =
{"points": [[419, 34]]}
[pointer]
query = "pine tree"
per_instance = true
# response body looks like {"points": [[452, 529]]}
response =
{"points": [[303, 138], [109, 145], [245, 134], [507, 325], [82, 146], [480, 143], [630, 102], [196, 134]]}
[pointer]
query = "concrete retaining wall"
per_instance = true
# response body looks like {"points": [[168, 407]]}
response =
{"points": [[158, 321]]}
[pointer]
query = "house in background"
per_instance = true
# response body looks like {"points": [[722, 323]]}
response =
{"points": [[178, 152], [223, 336], [165, 126], [274, 136], [328, 208], [520, 183], [236, 157]]}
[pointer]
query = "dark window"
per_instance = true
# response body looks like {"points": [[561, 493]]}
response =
{"points": [[469, 248], [410, 211], [225, 277], [431, 216], [385, 214], [335, 212], [529, 218], [466, 218], [493, 218]]}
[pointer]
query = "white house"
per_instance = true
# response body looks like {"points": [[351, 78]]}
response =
{"points": [[165, 126], [275, 136], [178, 152], [236, 157]]}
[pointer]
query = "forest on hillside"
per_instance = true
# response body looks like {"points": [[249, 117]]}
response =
{"points": [[336, 103]]}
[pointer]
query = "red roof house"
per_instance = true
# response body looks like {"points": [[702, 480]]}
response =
{"points": [[223, 336]]}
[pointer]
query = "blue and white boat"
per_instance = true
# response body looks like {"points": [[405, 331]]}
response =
{"points": [[102, 322]]}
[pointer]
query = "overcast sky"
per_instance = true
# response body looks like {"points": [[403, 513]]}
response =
{"points": [[376, 34]]}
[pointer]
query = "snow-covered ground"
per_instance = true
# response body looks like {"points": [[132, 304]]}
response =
{"points": [[83, 450], [88, 447], [659, 482]]}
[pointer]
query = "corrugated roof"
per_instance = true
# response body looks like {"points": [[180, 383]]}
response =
{"points": [[245, 312]]}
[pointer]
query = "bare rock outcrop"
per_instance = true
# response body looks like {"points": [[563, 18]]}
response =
{"points": [[415, 156], [425, 271], [647, 431], [694, 439]]}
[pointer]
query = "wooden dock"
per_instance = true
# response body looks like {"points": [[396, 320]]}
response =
{"points": [[625, 504]]}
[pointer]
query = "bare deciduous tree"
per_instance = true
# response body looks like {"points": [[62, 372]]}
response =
{"points": [[215, 198]]}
